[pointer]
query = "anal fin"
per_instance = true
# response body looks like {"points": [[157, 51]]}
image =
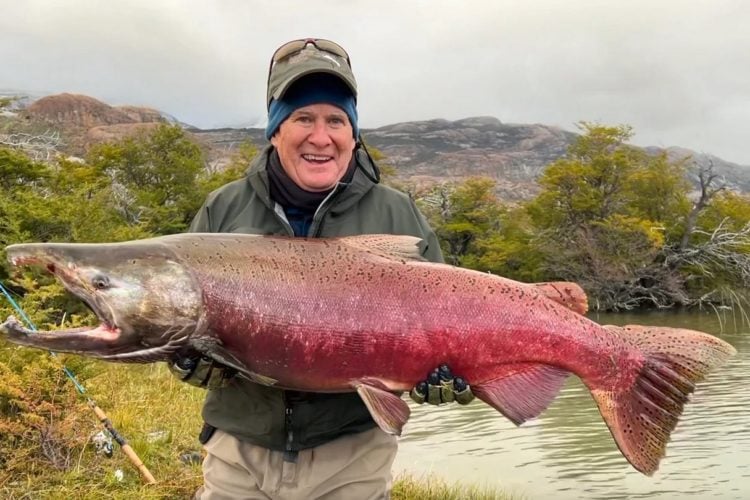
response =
{"points": [[522, 390], [388, 410]]}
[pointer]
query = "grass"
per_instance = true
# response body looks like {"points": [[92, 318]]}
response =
{"points": [[409, 487], [160, 418]]}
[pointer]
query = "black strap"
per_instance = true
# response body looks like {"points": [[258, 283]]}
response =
{"points": [[376, 177], [206, 432]]}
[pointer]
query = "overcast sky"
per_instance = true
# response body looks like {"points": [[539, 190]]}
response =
{"points": [[678, 71]]}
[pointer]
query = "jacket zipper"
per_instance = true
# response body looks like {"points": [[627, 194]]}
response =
{"points": [[279, 211], [289, 429], [316, 227], [290, 455]]}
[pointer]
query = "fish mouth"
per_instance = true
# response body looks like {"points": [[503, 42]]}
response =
{"points": [[105, 338], [69, 277]]}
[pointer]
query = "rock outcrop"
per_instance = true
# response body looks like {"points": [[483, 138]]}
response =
{"points": [[75, 110], [84, 121]]}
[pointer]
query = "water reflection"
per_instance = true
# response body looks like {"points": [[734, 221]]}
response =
{"points": [[568, 452]]}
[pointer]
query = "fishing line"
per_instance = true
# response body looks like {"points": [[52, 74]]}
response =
{"points": [[31, 326], [103, 419]]}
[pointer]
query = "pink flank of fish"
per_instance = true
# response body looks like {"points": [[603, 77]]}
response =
{"points": [[367, 314]]}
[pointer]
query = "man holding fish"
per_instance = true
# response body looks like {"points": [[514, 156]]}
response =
{"points": [[326, 332], [315, 179]]}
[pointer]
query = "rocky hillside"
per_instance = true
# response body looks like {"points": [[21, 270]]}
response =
{"points": [[440, 150], [82, 120], [423, 152], [73, 110]]}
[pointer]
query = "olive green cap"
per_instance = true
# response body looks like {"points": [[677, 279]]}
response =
{"points": [[305, 62]]}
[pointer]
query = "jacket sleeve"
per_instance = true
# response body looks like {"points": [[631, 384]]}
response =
{"points": [[431, 246], [201, 222], [432, 251]]}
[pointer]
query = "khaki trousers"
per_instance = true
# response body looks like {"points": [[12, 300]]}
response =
{"points": [[353, 467]]}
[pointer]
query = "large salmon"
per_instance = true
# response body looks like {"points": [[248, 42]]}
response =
{"points": [[366, 314]]}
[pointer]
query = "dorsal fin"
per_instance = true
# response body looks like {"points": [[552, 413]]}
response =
{"points": [[390, 246], [569, 294]]}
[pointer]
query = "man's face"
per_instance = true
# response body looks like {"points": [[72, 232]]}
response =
{"points": [[315, 145]]}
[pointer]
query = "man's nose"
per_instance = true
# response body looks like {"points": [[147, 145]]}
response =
{"points": [[319, 135]]}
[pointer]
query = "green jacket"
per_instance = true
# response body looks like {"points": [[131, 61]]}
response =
{"points": [[289, 420]]}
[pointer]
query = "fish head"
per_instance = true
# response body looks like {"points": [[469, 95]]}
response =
{"points": [[148, 304]]}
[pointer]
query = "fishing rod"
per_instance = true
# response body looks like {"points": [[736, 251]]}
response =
{"points": [[103, 419]]}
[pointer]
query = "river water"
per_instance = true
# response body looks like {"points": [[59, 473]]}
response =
{"points": [[568, 452]]}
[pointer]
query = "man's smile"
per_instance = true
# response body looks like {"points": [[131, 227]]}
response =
{"points": [[317, 158]]}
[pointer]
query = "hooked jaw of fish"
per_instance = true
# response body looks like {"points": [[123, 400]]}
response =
{"points": [[147, 305]]}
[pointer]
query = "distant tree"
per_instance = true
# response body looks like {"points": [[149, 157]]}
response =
{"points": [[236, 169], [716, 260], [658, 191], [510, 250], [21, 179], [18, 171], [710, 186], [154, 177], [461, 213], [588, 183], [727, 208], [605, 213]]}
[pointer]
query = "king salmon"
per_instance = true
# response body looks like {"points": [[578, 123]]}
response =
{"points": [[368, 314]]}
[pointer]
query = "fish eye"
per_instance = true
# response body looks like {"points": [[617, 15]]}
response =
{"points": [[100, 282]]}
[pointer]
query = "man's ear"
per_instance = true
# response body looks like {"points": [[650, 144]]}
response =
{"points": [[275, 139]]}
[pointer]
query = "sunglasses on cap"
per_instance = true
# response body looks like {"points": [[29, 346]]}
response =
{"points": [[296, 46]]}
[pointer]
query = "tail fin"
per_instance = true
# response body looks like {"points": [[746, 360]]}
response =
{"points": [[641, 417]]}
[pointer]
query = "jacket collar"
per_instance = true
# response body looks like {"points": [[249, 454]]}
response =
{"points": [[347, 194]]}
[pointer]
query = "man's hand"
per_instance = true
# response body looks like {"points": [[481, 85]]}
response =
{"points": [[442, 387], [201, 371]]}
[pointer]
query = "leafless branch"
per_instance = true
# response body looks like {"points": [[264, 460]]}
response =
{"points": [[40, 147], [709, 188], [724, 249]]}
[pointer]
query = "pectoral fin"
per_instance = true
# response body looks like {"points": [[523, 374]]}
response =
{"points": [[211, 347], [388, 410], [522, 390]]}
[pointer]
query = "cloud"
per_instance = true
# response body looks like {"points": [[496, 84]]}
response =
{"points": [[676, 71]]}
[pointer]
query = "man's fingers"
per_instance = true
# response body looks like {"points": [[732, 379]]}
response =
{"points": [[442, 387], [419, 393], [434, 394], [446, 391], [462, 391], [444, 373]]}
